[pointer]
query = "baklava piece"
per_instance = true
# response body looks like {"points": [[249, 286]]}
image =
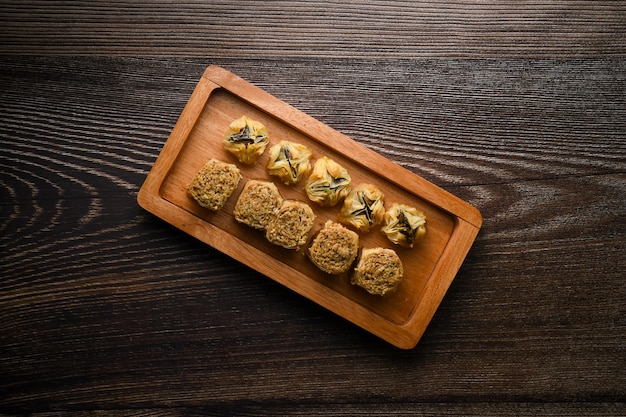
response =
{"points": [[329, 182], [404, 225], [214, 183], [246, 139], [363, 208], [289, 161], [378, 271], [290, 224], [334, 248], [257, 203]]}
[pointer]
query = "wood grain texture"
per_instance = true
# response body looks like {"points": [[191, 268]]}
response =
{"points": [[352, 29], [221, 97], [517, 107], [372, 409], [103, 307]]}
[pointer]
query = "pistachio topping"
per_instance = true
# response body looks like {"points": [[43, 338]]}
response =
{"points": [[329, 182], [246, 139], [363, 208], [289, 161], [404, 225]]}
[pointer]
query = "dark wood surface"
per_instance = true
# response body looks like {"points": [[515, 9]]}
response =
{"points": [[517, 107]]}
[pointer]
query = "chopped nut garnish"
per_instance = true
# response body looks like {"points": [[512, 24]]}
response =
{"points": [[289, 161], [363, 207], [246, 139], [329, 182], [404, 225]]}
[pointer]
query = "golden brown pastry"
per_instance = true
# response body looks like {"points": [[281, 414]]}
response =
{"points": [[363, 208], [257, 203], [214, 183], [246, 139], [334, 248], [329, 182], [289, 161], [404, 225], [378, 271], [290, 224]]}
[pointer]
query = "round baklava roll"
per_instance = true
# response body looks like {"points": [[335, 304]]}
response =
{"points": [[257, 203], [290, 224], [214, 183], [378, 271], [334, 248]]}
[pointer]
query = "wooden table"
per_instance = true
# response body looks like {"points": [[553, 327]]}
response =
{"points": [[516, 107]]}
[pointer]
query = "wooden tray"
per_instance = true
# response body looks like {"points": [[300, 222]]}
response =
{"points": [[221, 97]]}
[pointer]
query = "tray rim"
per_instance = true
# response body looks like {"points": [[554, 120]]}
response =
{"points": [[467, 219]]}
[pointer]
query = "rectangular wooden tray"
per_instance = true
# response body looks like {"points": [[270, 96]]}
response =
{"points": [[221, 97]]}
